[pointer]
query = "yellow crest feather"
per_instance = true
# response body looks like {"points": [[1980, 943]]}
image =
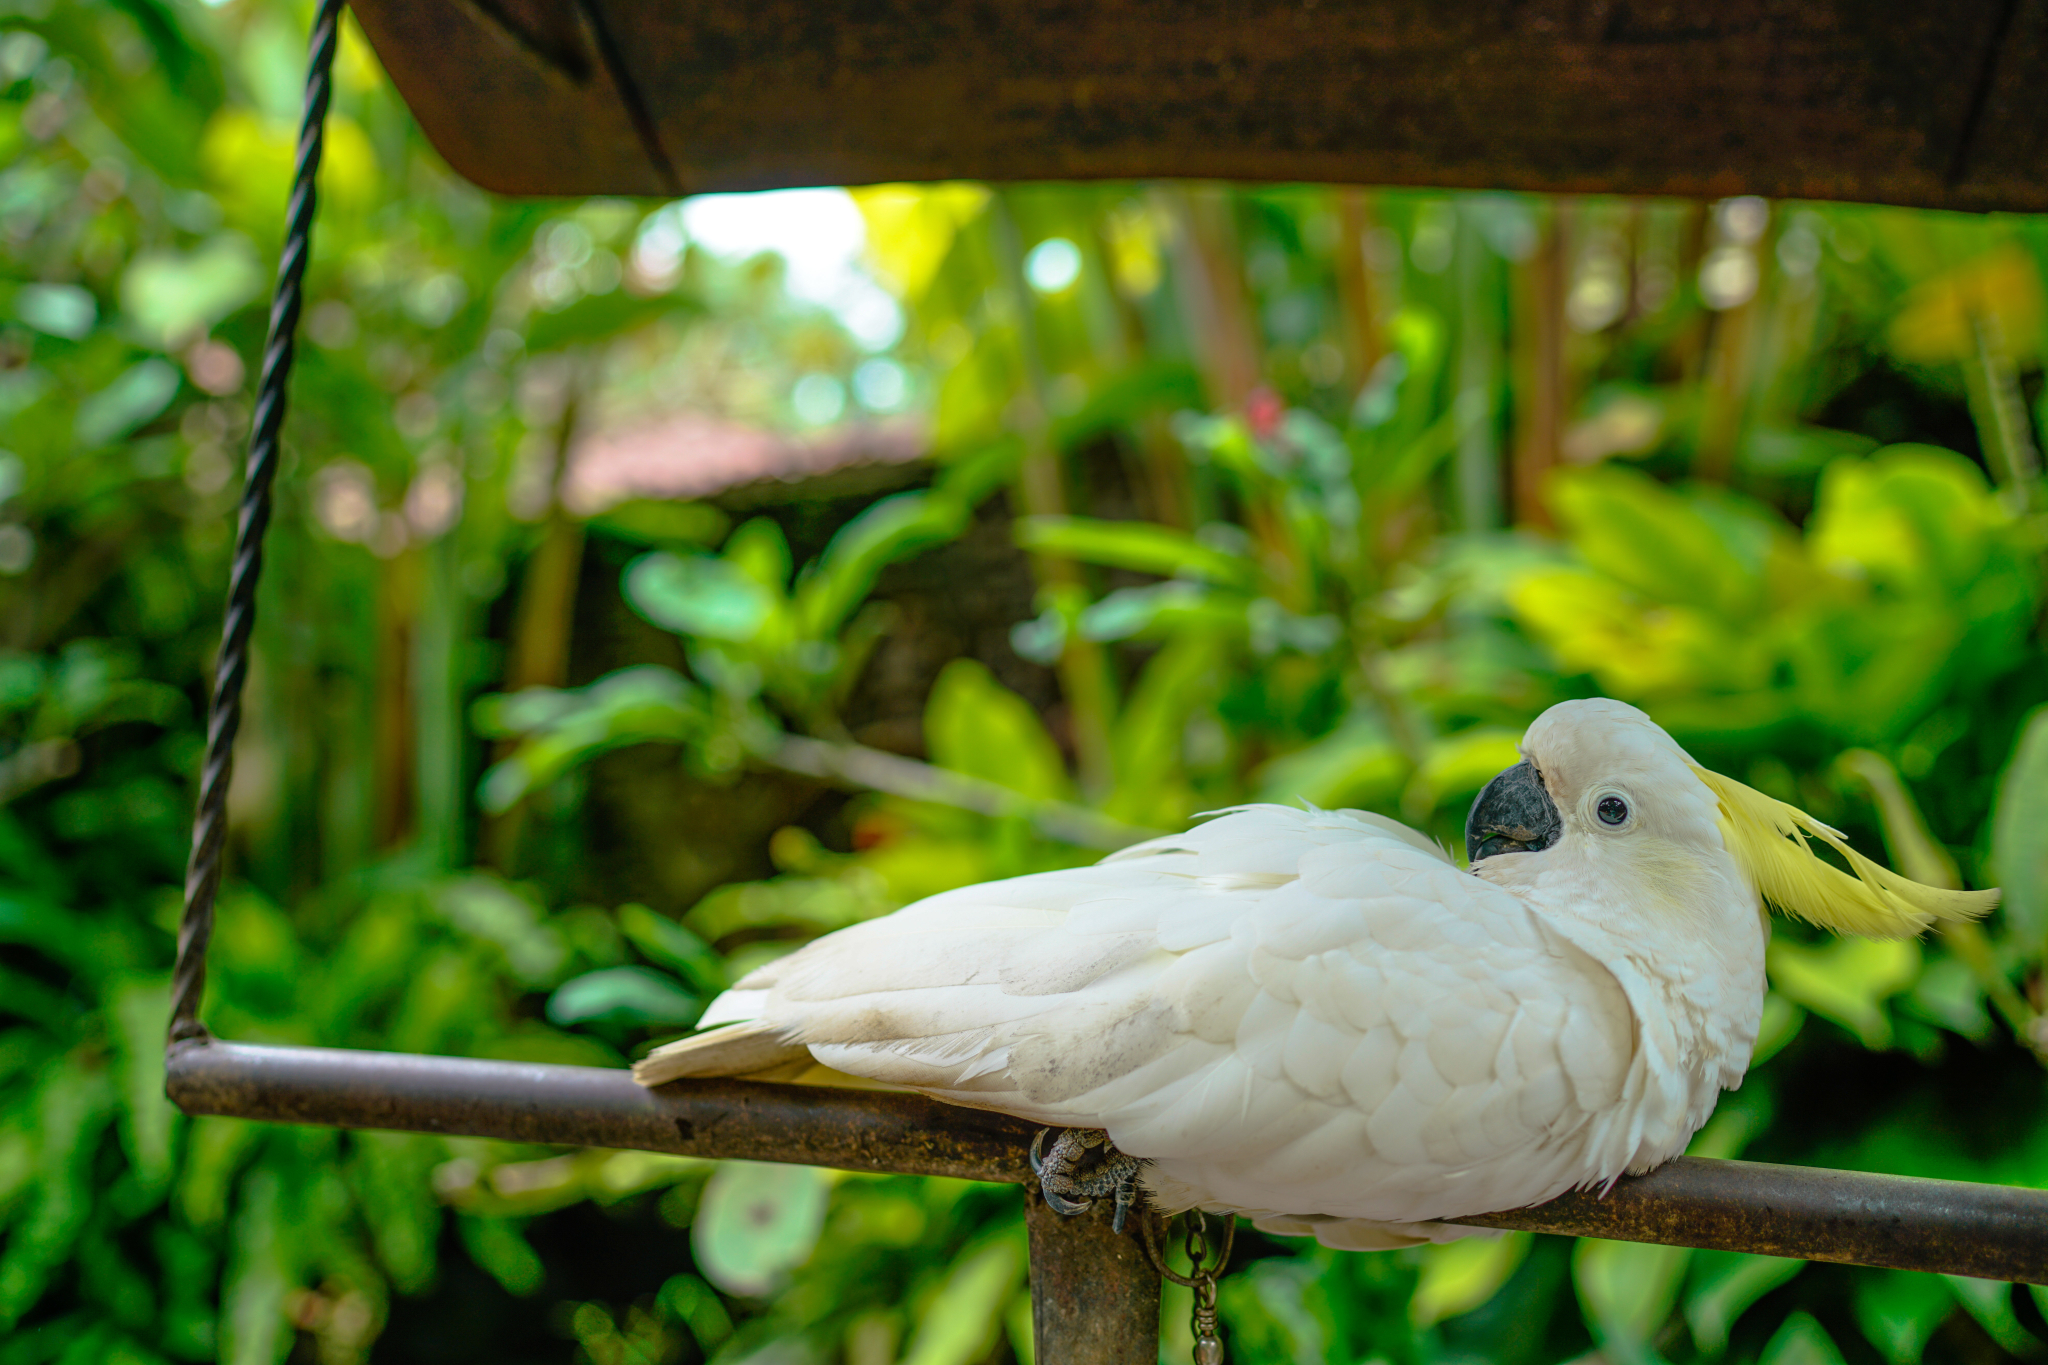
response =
{"points": [[1769, 838]]}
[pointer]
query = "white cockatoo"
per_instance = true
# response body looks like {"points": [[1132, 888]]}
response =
{"points": [[1319, 1020]]}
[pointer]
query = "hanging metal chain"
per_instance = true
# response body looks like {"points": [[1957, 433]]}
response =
{"points": [[224, 714], [1201, 1276]]}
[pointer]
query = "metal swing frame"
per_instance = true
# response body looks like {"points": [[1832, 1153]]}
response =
{"points": [[1095, 1295]]}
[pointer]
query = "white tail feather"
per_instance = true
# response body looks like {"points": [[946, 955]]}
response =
{"points": [[735, 1050]]}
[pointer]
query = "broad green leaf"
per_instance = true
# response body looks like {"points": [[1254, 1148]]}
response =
{"points": [[60, 310], [1913, 517], [1154, 386], [1150, 734], [892, 529], [1460, 765], [1780, 1025], [816, 904], [965, 1317], [564, 727], [759, 550], [701, 1310], [497, 1245], [1801, 1341], [1938, 318], [2019, 848], [596, 318], [912, 228], [249, 158], [1357, 764], [75, 940], [70, 1106], [662, 524], [699, 595], [141, 1010], [1847, 981], [140, 393], [1277, 1313], [623, 995], [1990, 1303], [216, 1149], [1138, 545], [1592, 624], [393, 1183], [1459, 1276], [674, 947], [1654, 541], [1176, 606], [1724, 1285], [1914, 853], [1627, 1290], [975, 725], [1948, 993], [489, 909], [757, 1222], [169, 297], [261, 1273], [1899, 1311]]}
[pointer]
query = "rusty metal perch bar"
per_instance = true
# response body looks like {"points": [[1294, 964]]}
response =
{"points": [[1989, 1231]]}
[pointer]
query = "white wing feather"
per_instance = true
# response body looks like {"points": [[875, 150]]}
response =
{"points": [[1311, 1016]]}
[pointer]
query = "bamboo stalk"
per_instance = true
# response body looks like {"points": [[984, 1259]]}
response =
{"points": [[868, 769], [1538, 343], [1999, 411], [543, 626], [1214, 301], [1041, 491], [1477, 469], [1357, 296]]}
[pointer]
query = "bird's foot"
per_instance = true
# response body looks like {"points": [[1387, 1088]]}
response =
{"points": [[1069, 1188]]}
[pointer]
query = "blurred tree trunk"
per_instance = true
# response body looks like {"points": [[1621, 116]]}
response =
{"points": [[1732, 336], [1041, 491], [1539, 368], [440, 626], [1222, 328], [1358, 297], [392, 739], [1162, 470], [543, 623], [1477, 469], [1999, 410]]}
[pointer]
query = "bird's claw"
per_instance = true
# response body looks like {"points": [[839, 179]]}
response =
{"points": [[1065, 1206], [1068, 1190]]}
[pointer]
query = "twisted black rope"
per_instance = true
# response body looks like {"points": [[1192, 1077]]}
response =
{"points": [[224, 715]]}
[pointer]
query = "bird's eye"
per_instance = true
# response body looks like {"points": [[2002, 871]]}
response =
{"points": [[1613, 810]]}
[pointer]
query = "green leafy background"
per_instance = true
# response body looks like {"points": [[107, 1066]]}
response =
{"points": [[1287, 493]]}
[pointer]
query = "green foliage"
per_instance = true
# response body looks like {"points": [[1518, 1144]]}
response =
{"points": [[1298, 550]]}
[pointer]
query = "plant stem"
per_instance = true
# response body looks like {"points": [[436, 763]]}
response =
{"points": [[857, 765], [1083, 668], [2000, 413], [1538, 349], [1916, 853]]}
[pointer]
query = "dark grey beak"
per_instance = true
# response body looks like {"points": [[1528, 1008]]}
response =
{"points": [[1512, 815]]}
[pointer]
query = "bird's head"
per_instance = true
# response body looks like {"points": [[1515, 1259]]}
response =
{"points": [[1600, 782]]}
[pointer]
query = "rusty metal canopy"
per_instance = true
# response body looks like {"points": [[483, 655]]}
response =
{"points": [[1877, 100]]}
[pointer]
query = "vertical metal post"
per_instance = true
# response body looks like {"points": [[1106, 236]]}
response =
{"points": [[1094, 1295]]}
